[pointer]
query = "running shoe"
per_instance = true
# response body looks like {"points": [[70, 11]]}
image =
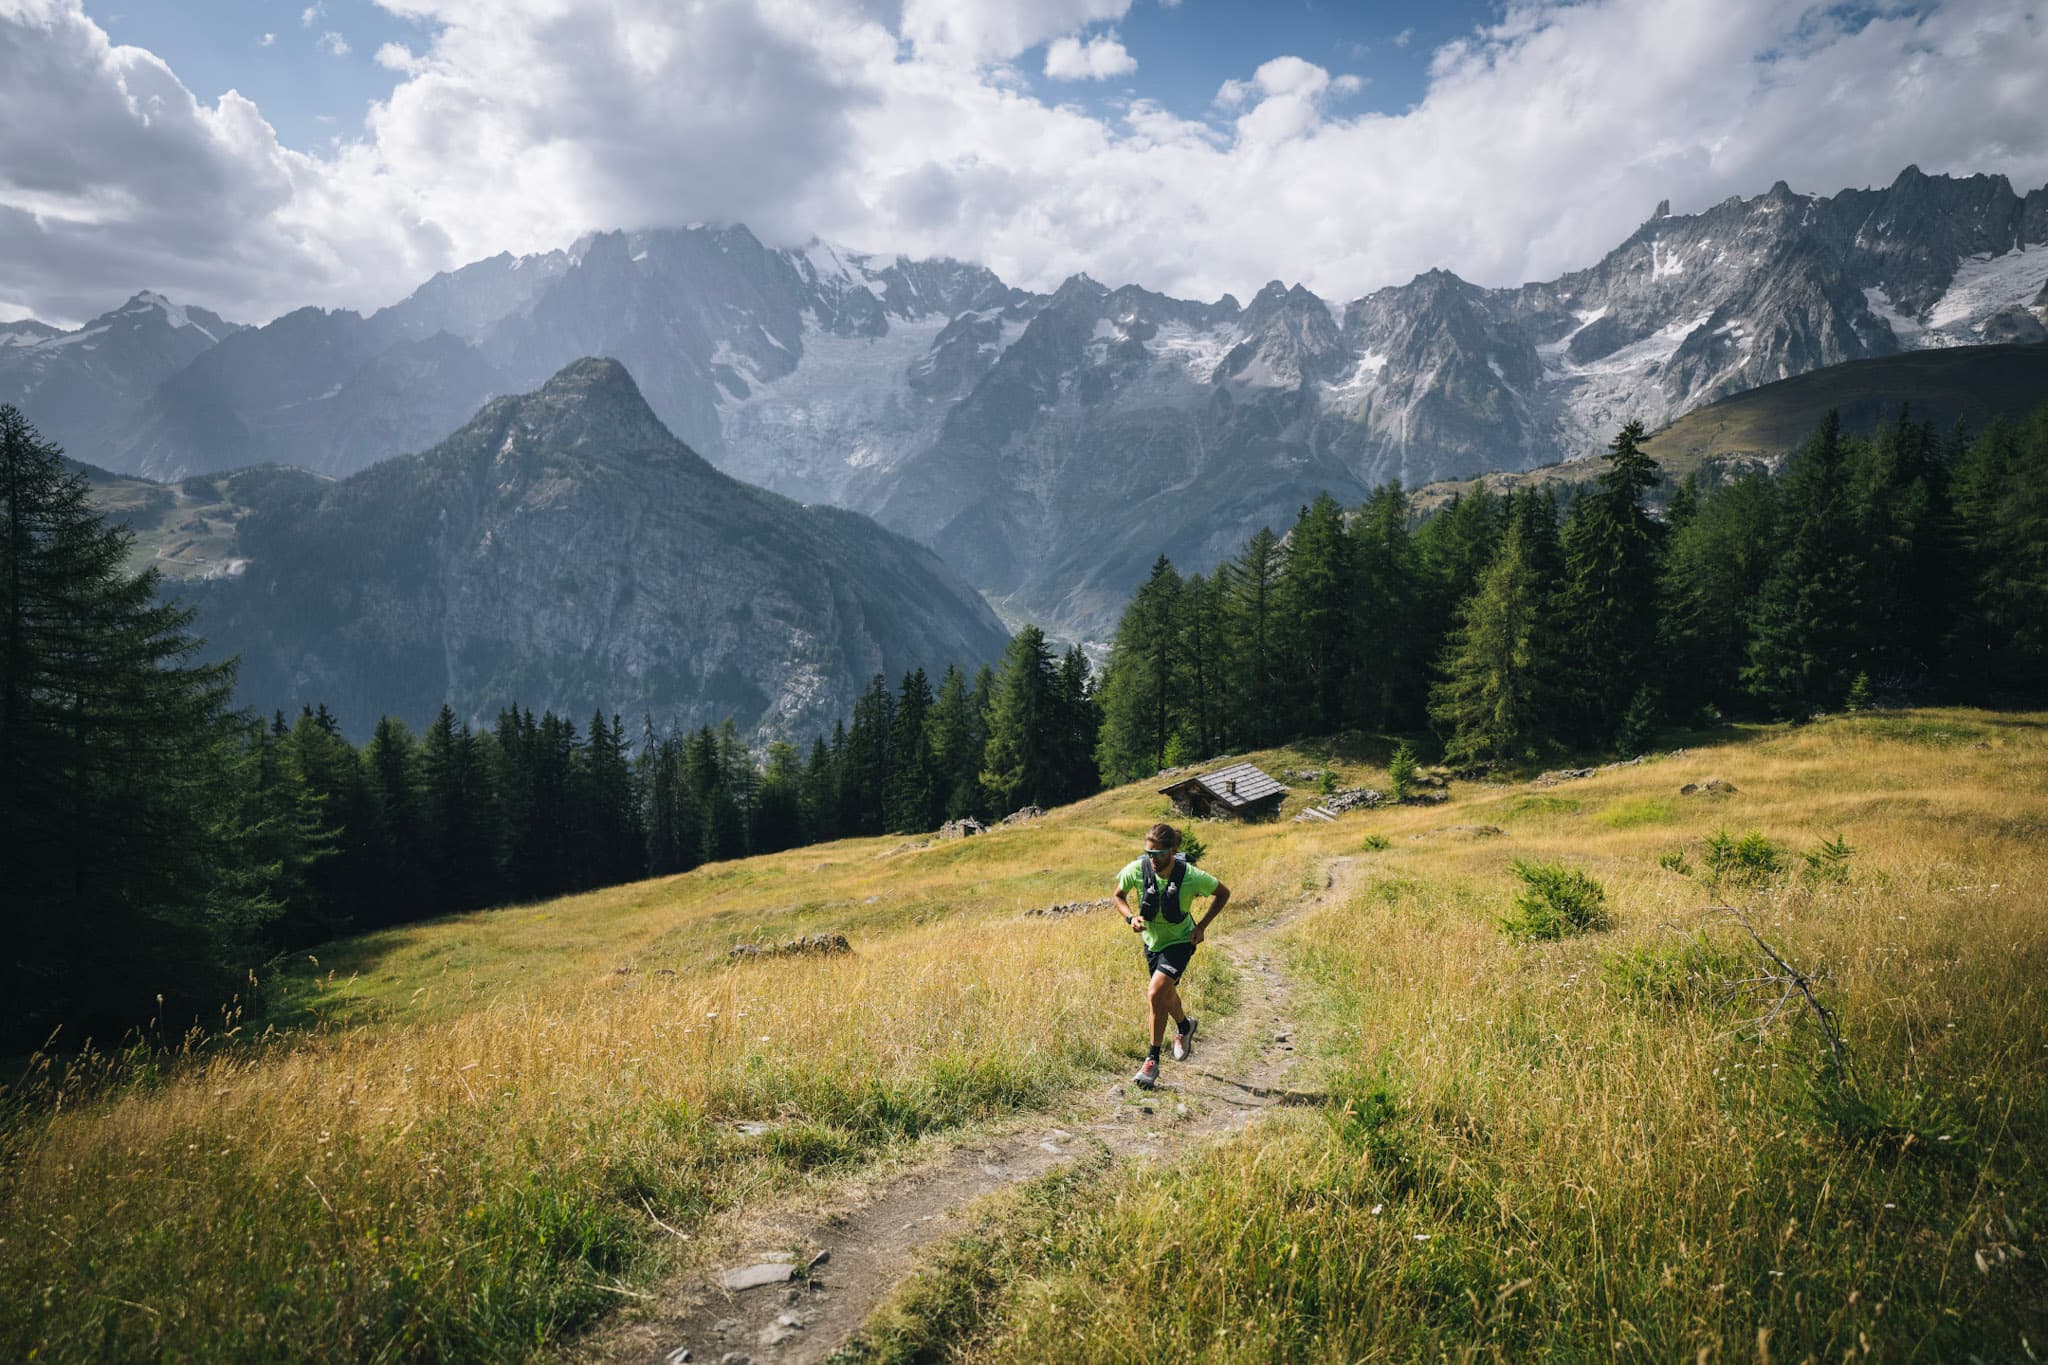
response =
{"points": [[1148, 1074], [1184, 1039]]}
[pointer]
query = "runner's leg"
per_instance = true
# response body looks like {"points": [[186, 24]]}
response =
{"points": [[1165, 1004]]}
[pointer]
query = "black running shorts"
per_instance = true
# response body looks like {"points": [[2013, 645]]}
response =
{"points": [[1172, 959]]}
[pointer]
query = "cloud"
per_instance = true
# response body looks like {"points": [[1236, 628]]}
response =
{"points": [[1070, 59], [310, 15], [1542, 140], [334, 45], [398, 57], [1402, 38], [267, 40], [974, 31]]}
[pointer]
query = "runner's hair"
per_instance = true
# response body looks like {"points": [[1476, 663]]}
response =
{"points": [[1163, 835]]}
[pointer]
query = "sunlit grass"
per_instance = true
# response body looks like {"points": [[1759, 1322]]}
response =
{"points": [[453, 1140], [457, 1138], [1577, 1149]]}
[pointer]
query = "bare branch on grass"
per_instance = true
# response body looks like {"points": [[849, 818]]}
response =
{"points": [[1795, 989]]}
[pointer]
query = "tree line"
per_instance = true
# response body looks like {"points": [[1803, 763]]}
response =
{"points": [[159, 842], [1512, 628], [156, 843]]}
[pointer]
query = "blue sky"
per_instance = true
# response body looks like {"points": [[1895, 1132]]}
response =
{"points": [[312, 93], [1186, 52]]}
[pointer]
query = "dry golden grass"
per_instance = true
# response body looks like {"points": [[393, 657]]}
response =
{"points": [[466, 1158], [1569, 1149]]}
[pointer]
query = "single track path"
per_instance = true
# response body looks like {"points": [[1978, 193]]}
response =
{"points": [[872, 1236]]}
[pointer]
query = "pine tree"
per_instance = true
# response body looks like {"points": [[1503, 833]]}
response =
{"points": [[1394, 673], [1201, 664], [955, 737], [1999, 529], [1455, 546], [1019, 764], [1080, 725], [915, 796], [1491, 702], [1715, 566], [1140, 708], [397, 833], [288, 838], [818, 800], [346, 881], [1318, 595], [461, 835], [617, 839], [129, 869], [1899, 491], [1251, 608], [1608, 601], [867, 766], [1805, 634], [740, 784], [778, 821]]}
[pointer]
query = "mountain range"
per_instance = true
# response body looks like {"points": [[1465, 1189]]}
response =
{"points": [[564, 550], [1051, 446]]}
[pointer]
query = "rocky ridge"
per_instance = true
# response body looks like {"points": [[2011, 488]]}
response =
{"points": [[563, 550], [1010, 431]]}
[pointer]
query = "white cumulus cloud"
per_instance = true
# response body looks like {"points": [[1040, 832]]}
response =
{"points": [[334, 45], [1542, 140], [997, 30], [1097, 59]]}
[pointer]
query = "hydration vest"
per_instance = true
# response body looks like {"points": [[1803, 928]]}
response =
{"points": [[1161, 900]]}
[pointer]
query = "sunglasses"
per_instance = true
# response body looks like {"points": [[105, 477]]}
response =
{"points": [[1157, 852]]}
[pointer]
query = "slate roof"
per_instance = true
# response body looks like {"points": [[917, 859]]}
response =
{"points": [[1253, 786]]}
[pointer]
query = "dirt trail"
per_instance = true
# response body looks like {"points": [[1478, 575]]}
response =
{"points": [[1239, 1068]]}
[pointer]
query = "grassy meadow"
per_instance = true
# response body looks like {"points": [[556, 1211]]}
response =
{"points": [[1578, 1149], [468, 1138]]}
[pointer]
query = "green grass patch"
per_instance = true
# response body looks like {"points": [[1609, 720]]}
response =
{"points": [[1697, 973], [1636, 811], [1935, 731], [1534, 807]]}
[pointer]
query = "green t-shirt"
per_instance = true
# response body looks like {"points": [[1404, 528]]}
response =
{"points": [[1158, 933]]}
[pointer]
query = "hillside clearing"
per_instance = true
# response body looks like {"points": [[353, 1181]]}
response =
{"points": [[460, 1139]]}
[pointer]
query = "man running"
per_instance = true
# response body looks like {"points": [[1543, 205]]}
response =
{"points": [[1167, 887]]}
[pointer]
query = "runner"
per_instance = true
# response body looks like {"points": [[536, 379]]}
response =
{"points": [[1168, 886]]}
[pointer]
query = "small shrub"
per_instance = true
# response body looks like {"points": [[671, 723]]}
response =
{"points": [[1752, 859], [1674, 861], [1828, 861], [1858, 698], [1555, 901], [1192, 847], [1637, 723], [1377, 843], [1326, 782], [1401, 772]]}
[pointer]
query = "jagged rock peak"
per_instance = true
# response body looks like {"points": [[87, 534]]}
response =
{"points": [[1663, 210], [591, 406], [1082, 285]]}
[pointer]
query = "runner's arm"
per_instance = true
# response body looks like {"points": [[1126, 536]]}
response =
{"points": [[1123, 907], [1217, 900]]}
